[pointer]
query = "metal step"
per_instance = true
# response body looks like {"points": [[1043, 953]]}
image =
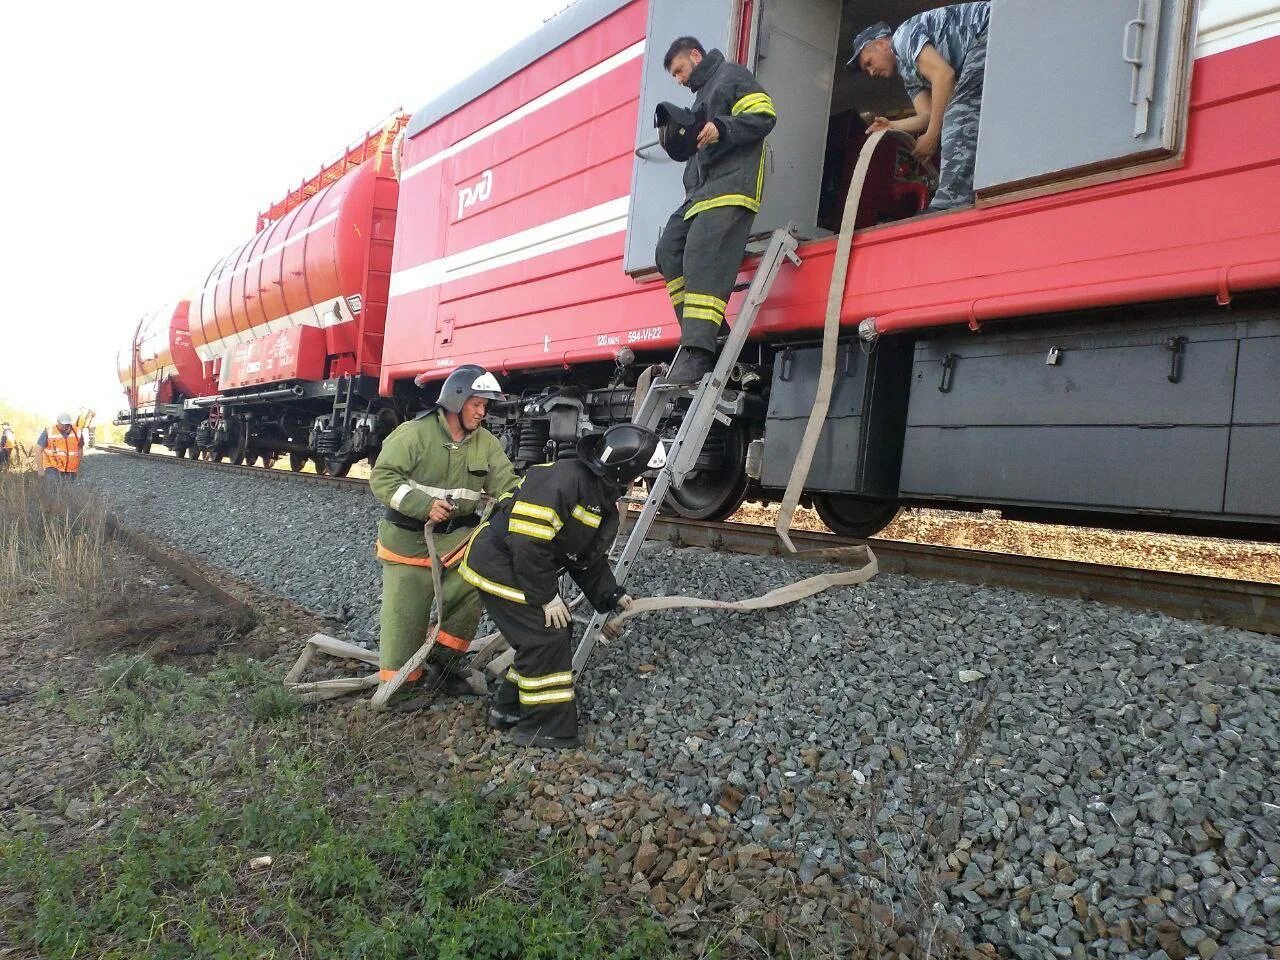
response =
{"points": [[708, 405]]}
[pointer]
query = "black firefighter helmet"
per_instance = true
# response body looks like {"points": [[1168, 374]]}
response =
{"points": [[622, 452], [678, 129], [469, 380]]}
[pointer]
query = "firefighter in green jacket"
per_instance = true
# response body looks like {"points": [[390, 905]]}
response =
{"points": [[434, 469]]}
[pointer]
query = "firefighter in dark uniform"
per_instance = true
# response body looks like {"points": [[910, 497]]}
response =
{"points": [[564, 517], [434, 469], [701, 247]]}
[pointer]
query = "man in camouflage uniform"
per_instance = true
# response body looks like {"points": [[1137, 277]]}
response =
{"points": [[701, 247], [434, 469], [941, 55]]}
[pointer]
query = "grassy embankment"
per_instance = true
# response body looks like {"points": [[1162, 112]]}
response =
{"points": [[229, 822]]}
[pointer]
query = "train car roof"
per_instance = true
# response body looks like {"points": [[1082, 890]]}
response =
{"points": [[556, 32]]}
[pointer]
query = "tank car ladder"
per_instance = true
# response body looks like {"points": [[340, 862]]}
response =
{"points": [[711, 403]]}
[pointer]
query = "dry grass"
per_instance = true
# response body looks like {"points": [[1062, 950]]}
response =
{"points": [[53, 538]]}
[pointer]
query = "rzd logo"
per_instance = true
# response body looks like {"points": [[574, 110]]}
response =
{"points": [[476, 193]]}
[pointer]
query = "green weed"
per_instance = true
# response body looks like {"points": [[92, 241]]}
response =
{"points": [[413, 878]]}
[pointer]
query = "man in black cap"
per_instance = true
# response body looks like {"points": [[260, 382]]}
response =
{"points": [[941, 55], [722, 141]]}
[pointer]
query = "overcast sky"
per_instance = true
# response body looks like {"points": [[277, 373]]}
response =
{"points": [[141, 139]]}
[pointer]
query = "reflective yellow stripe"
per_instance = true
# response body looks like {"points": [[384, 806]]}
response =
{"points": [[764, 108], [705, 300], [745, 104], [728, 200], [676, 284], [703, 313], [535, 530], [588, 517], [546, 514], [483, 583], [677, 298], [548, 696], [564, 678]]}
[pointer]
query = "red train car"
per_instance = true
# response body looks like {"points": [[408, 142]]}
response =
{"points": [[287, 329], [158, 374], [1095, 339]]}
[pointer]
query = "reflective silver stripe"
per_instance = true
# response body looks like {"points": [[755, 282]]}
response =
{"points": [[458, 493], [397, 498]]}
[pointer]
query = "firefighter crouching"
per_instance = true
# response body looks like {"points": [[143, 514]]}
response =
{"points": [[434, 469], [564, 517]]}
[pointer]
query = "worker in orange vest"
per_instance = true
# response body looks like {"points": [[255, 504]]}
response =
{"points": [[61, 447], [8, 446]]}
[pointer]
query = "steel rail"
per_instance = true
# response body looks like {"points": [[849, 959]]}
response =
{"points": [[1246, 604], [241, 468]]}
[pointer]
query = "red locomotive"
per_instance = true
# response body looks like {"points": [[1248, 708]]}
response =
{"points": [[1095, 341]]}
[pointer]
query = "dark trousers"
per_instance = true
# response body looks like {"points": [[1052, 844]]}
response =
{"points": [[53, 473], [700, 259], [539, 685]]}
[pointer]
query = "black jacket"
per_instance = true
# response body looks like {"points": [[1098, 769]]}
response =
{"points": [[562, 518], [730, 172]]}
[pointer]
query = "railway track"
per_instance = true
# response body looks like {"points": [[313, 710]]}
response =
{"points": [[1245, 604]]}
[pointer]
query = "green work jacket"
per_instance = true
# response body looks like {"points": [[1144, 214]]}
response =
{"points": [[420, 463]]}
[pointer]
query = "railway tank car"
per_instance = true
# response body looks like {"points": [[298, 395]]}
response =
{"points": [[1095, 340], [287, 328], [159, 373]]}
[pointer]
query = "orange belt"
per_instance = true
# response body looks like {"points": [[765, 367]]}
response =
{"points": [[451, 559]]}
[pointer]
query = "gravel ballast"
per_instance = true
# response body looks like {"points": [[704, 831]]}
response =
{"points": [[1053, 777]]}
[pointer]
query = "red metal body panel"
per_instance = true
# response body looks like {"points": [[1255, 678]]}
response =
{"points": [[297, 353], [324, 264], [485, 281], [161, 364]]}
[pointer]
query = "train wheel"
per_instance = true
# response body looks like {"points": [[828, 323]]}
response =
{"points": [[216, 456], [180, 452], [715, 494], [854, 516], [269, 460], [297, 461], [321, 467], [338, 466]]}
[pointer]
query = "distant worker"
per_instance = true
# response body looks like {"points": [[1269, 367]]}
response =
{"points": [[564, 518], [61, 448], [941, 55], [722, 141], [8, 446], [434, 469]]}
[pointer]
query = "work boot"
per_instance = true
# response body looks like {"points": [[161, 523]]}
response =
{"points": [[451, 683], [534, 738], [501, 720], [690, 366]]}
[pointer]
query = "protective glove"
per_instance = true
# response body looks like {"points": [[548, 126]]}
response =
{"points": [[556, 614]]}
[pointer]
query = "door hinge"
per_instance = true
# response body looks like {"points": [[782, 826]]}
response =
{"points": [[948, 372], [1177, 347]]}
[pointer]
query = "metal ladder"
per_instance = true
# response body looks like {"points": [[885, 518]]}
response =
{"points": [[711, 402]]}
